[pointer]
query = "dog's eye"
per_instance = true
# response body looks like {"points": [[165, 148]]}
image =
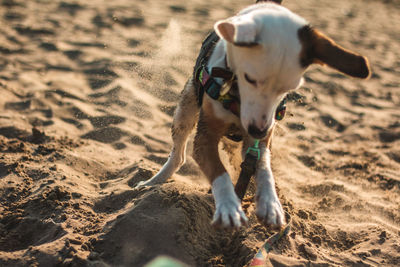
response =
{"points": [[249, 80]]}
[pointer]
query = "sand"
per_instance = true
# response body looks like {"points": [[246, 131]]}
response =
{"points": [[87, 93]]}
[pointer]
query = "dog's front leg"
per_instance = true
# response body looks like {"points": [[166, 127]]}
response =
{"points": [[268, 207], [228, 213]]}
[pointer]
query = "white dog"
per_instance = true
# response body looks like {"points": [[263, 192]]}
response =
{"points": [[266, 48]]}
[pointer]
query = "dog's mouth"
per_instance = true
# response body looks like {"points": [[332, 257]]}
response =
{"points": [[256, 132]]}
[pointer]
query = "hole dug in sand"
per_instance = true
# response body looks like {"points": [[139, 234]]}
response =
{"points": [[164, 221]]}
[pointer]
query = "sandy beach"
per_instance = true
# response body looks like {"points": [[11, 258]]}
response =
{"points": [[87, 94]]}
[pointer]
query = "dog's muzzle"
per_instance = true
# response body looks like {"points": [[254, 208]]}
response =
{"points": [[257, 133]]}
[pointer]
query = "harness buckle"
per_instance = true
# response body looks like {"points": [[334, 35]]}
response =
{"points": [[227, 86], [226, 75]]}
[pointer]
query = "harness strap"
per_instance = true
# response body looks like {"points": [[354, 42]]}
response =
{"points": [[220, 92], [207, 47], [210, 86]]}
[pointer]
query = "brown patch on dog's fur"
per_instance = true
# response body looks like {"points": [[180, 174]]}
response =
{"points": [[209, 132], [318, 48]]}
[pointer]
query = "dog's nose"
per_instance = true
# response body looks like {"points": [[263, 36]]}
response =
{"points": [[255, 132]]}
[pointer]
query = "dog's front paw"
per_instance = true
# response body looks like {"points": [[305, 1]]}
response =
{"points": [[269, 211], [229, 214]]}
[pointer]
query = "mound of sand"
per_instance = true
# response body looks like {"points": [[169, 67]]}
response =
{"points": [[88, 90]]}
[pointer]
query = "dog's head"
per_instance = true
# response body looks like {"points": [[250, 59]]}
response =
{"points": [[269, 48]]}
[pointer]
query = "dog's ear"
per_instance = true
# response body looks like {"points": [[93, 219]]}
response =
{"points": [[320, 49], [239, 31]]}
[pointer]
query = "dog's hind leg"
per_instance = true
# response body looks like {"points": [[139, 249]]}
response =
{"points": [[185, 119]]}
